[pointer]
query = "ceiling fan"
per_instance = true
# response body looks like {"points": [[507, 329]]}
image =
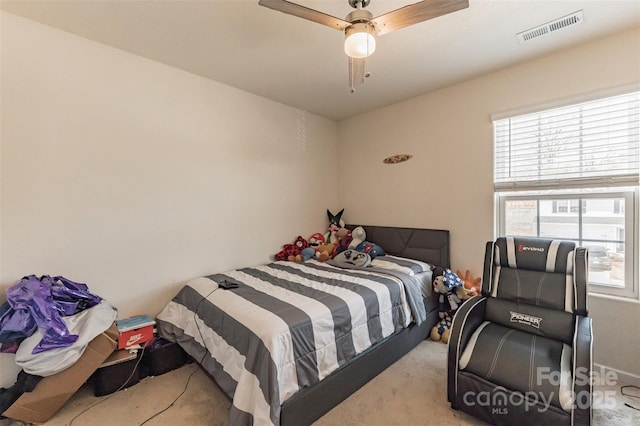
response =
{"points": [[360, 27]]}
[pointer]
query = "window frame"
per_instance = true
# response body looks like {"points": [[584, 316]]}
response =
{"points": [[632, 229], [583, 186]]}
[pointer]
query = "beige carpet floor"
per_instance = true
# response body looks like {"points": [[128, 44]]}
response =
{"points": [[410, 392]]}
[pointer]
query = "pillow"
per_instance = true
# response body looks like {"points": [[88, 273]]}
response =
{"points": [[352, 258], [371, 249]]}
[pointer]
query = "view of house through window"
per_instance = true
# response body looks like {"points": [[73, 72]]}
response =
{"points": [[572, 173], [596, 223]]}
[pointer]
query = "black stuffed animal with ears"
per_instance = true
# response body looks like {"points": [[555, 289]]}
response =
{"points": [[335, 223]]}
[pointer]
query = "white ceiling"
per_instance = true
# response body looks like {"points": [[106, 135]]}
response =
{"points": [[302, 63]]}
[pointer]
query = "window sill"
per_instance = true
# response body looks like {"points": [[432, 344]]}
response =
{"points": [[628, 299]]}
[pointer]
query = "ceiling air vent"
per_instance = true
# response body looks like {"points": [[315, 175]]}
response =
{"points": [[544, 29]]}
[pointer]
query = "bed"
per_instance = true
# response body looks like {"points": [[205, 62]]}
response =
{"points": [[293, 340]]}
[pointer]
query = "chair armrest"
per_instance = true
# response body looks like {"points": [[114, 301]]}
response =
{"points": [[582, 366], [466, 320]]}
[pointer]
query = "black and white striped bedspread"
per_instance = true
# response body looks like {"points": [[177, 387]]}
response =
{"points": [[286, 326], [401, 264]]}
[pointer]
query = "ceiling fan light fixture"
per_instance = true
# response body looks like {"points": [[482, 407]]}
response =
{"points": [[360, 27], [359, 41]]}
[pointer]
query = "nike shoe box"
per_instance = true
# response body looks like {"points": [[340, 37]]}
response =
{"points": [[134, 331]]}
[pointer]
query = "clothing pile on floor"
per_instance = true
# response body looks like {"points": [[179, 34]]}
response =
{"points": [[48, 322]]}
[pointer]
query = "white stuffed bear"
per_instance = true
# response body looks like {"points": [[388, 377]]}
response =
{"points": [[358, 235]]}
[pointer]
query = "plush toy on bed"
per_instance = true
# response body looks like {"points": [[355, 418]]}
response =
{"points": [[451, 294], [292, 252], [306, 254], [335, 223], [309, 252], [317, 248], [316, 239], [359, 243], [324, 251], [344, 240], [352, 259], [358, 235], [372, 249]]}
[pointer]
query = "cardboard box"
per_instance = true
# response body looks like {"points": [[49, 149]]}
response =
{"points": [[53, 391]]}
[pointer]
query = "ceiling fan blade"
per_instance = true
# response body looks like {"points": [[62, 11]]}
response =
{"points": [[356, 72], [417, 12], [306, 13]]}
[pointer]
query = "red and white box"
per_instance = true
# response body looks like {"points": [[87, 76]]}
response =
{"points": [[134, 331]]}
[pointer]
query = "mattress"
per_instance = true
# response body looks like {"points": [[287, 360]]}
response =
{"points": [[288, 325]]}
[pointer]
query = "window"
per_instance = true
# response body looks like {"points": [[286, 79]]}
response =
{"points": [[572, 173], [565, 206]]}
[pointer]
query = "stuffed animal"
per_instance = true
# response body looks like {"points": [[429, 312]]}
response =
{"points": [[352, 259], [344, 239], [456, 294], [306, 254], [335, 223], [316, 239], [336, 219], [473, 285], [358, 235], [442, 289], [441, 331], [290, 251], [309, 252], [324, 251], [451, 294], [370, 248], [359, 243], [287, 250]]}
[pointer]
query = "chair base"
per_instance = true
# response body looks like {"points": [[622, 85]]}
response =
{"points": [[499, 406]]}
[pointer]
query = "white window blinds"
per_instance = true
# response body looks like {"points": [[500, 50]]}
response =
{"points": [[592, 144]]}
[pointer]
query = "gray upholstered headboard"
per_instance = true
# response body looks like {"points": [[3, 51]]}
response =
{"points": [[428, 245]]}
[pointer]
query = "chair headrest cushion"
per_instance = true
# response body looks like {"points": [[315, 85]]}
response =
{"points": [[535, 254]]}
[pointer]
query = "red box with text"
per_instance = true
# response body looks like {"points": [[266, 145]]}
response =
{"points": [[135, 331]]}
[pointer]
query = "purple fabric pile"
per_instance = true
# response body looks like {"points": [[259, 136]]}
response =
{"points": [[41, 302]]}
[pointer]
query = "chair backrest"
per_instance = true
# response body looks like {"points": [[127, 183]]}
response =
{"points": [[547, 277]]}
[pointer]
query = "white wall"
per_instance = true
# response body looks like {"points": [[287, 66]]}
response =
{"points": [[449, 182], [132, 176]]}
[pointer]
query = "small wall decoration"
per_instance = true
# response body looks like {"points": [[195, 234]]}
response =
{"points": [[399, 158]]}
